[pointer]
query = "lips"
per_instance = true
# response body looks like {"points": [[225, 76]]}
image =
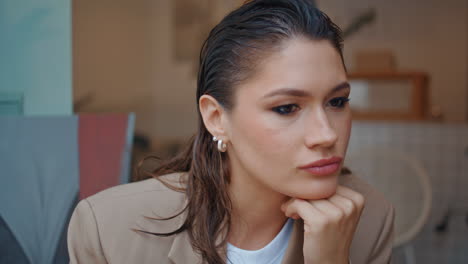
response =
{"points": [[323, 167]]}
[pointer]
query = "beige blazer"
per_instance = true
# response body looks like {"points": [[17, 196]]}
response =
{"points": [[100, 230]]}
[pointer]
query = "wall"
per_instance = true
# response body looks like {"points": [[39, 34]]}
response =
{"points": [[123, 56], [430, 36], [35, 52]]}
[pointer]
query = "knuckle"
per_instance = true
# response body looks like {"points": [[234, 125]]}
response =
{"points": [[321, 222], [360, 201], [349, 210], [348, 205], [338, 215]]}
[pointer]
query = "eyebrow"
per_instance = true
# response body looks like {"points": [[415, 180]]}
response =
{"points": [[302, 93]]}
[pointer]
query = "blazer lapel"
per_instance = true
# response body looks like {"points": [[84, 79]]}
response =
{"points": [[294, 254], [181, 251]]}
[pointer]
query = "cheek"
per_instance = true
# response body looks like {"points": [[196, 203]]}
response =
{"points": [[264, 136], [342, 124], [346, 129], [262, 144]]}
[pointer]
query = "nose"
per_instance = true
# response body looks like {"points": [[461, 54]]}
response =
{"points": [[319, 132]]}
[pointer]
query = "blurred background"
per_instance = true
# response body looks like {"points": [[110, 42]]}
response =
{"points": [[88, 88]]}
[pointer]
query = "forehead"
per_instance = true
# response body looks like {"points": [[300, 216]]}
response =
{"points": [[312, 65]]}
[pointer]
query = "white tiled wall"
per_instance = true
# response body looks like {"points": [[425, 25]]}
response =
{"points": [[442, 150]]}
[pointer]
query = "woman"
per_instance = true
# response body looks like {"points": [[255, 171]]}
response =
{"points": [[262, 180]]}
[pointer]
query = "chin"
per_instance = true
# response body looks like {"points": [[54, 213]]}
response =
{"points": [[316, 190]]}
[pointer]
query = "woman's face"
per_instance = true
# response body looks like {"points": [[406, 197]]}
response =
{"points": [[291, 113]]}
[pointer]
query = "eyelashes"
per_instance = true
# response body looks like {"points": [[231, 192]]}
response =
{"points": [[288, 109], [339, 102]]}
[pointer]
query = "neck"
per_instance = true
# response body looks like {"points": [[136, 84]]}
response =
{"points": [[256, 215]]}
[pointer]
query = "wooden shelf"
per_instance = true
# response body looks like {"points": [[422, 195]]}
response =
{"points": [[418, 96]]}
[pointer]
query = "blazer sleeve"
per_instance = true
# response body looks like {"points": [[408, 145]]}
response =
{"points": [[84, 245], [382, 252]]}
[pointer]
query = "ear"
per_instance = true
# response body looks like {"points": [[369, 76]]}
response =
{"points": [[214, 116]]}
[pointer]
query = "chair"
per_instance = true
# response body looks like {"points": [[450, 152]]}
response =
{"points": [[46, 162], [404, 182]]}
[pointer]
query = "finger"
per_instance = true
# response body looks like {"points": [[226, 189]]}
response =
{"points": [[329, 209], [346, 204], [285, 204], [355, 197], [294, 216], [301, 208], [311, 216]]}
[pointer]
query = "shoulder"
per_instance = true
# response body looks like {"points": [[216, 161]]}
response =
{"points": [[373, 239], [142, 195], [104, 225], [129, 206]]}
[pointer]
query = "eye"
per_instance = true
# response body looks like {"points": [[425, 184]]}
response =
{"points": [[286, 109], [339, 102]]}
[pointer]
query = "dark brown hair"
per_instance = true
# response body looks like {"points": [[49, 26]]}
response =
{"points": [[228, 57]]}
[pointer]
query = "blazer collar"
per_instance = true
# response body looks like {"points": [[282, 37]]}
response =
{"points": [[182, 252], [293, 254], [181, 249]]}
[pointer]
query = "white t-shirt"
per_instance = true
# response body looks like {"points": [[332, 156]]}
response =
{"points": [[270, 254]]}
